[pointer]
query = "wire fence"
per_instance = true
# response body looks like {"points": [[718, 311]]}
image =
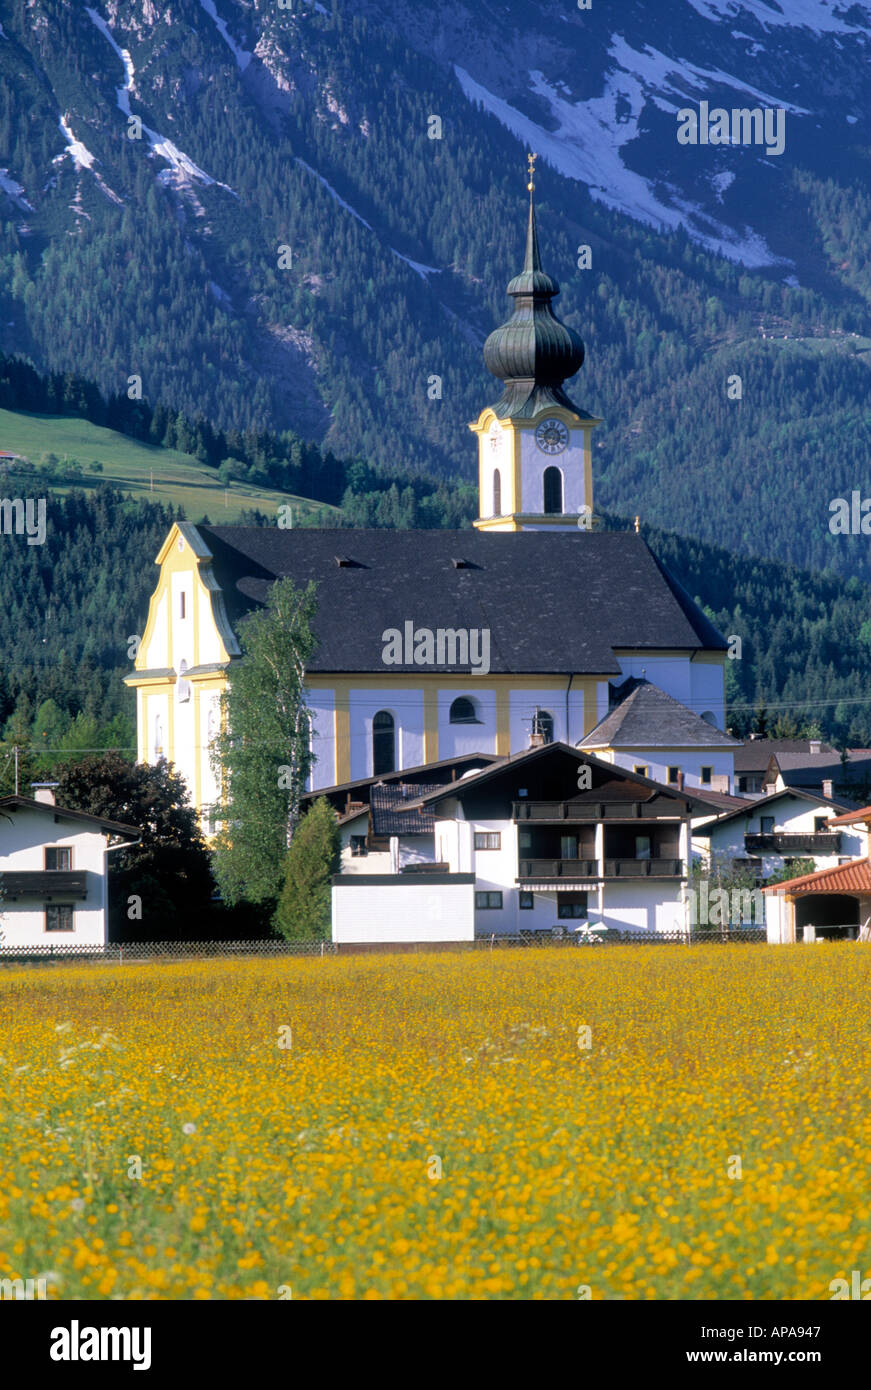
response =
{"points": [[119, 953]]}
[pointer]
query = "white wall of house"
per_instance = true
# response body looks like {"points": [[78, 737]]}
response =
{"points": [[792, 816], [403, 911], [689, 760], [22, 849], [646, 906]]}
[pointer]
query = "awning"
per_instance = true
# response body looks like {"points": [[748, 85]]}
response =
{"points": [[552, 886]]}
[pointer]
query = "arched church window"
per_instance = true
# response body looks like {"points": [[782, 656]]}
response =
{"points": [[464, 711], [553, 491], [497, 492], [383, 743]]}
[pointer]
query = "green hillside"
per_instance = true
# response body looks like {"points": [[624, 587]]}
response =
{"points": [[143, 470]]}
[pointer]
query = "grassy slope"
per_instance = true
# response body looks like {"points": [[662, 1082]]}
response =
{"points": [[128, 464]]}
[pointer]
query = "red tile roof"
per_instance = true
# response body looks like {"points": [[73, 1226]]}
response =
{"points": [[852, 817], [854, 877]]}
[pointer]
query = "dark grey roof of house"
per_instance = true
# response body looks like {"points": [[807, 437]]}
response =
{"points": [[26, 803], [387, 819], [758, 804], [553, 604], [753, 755], [407, 774], [649, 718], [474, 780]]}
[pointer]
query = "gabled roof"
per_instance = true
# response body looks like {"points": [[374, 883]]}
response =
{"points": [[854, 877], [109, 827], [755, 753], [647, 717], [552, 603], [757, 805], [406, 774], [549, 750]]}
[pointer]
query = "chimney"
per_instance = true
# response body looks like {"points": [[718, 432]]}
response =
{"points": [[536, 740], [815, 746], [44, 792], [827, 788]]}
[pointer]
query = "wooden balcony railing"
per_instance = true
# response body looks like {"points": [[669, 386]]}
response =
{"points": [[820, 842], [585, 811]]}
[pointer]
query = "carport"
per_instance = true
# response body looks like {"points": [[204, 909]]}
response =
{"points": [[829, 905]]}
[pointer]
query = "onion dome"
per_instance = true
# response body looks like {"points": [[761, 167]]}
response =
{"points": [[533, 353]]}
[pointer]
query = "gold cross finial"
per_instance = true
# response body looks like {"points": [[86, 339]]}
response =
{"points": [[638, 523], [530, 159]]}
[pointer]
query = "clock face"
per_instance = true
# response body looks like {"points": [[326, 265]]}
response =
{"points": [[551, 436]]}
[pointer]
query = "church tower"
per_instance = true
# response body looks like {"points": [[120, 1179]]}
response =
{"points": [[534, 445]]}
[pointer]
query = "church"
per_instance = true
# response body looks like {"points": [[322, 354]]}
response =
{"points": [[531, 628]]}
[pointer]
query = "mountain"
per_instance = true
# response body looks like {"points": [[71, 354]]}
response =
{"points": [[237, 209]]}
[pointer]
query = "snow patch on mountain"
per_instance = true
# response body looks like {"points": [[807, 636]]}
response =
{"points": [[422, 270], [333, 194], [183, 169], [818, 15], [242, 57], [14, 190], [586, 146], [79, 153]]}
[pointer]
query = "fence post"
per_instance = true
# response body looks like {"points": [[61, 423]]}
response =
{"points": [[322, 950]]}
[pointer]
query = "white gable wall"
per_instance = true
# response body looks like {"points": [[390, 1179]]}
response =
{"points": [[22, 849]]}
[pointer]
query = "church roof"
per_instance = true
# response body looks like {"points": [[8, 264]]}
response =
{"points": [[552, 603], [647, 717]]}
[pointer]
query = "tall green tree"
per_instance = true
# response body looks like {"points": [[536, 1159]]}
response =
{"points": [[304, 908], [160, 889], [262, 756]]}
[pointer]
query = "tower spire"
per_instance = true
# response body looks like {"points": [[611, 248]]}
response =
{"points": [[532, 259], [533, 353]]}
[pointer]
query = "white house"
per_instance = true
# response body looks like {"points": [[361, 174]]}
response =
{"points": [[770, 833], [834, 903], [649, 732], [53, 873], [535, 843]]}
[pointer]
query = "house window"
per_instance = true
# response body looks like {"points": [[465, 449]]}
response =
{"points": [[524, 839], [59, 917], [488, 839], [767, 824], [821, 824], [542, 724], [642, 846], [525, 901], [553, 491], [58, 859], [572, 905], [383, 743], [488, 901], [497, 493], [742, 784], [705, 776], [673, 775], [358, 846], [568, 847], [641, 769], [464, 711]]}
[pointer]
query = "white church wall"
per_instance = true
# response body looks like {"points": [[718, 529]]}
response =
{"points": [[522, 705], [457, 739], [322, 704], [570, 463], [406, 706]]}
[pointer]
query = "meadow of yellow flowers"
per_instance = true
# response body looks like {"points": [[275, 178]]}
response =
{"points": [[623, 1123]]}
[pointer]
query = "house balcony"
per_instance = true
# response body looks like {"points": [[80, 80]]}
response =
{"points": [[557, 812], [579, 870], [58, 885], [644, 868], [582, 870], [821, 842]]}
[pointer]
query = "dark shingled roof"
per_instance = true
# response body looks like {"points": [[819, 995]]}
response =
{"points": [[649, 718], [388, 820], [553, 603], [753, 755]]}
